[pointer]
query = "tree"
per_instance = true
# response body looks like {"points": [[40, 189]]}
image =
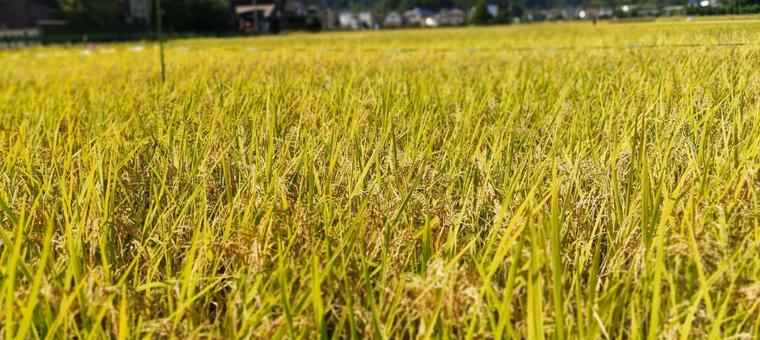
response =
{"points": [[93, 15], [196, 15], [480, 15], [179, 15], [505, 11], [313, 24]]}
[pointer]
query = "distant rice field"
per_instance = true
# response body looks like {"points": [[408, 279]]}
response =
{"points": [[532, 181]]}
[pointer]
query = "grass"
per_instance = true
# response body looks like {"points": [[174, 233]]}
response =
{"points": [[541, 181]]}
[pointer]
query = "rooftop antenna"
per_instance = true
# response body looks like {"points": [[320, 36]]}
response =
{"points": [[159, 28]]}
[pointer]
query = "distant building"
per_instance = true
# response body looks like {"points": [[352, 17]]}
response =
{"points": [[645, 10], [348, 21], [393, 19], [451, 17], [554, 14], [431, 21], [419, 17], [258, 18], [24, 14], [606, 12], [413, 17], [367, 20], [674, 10], [357, 21], [329, 19]]}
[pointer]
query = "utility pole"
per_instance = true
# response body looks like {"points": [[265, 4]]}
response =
{"points": [[160, 39]]}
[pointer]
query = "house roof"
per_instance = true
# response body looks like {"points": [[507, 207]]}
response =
{"points": [[266, 10]]}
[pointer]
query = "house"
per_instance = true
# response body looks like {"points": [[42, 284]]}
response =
{"points": [[606, 12], [645, 10], [348, 20], [357, 21], [674, 10], [330, 19], [393, 19], [554, 14], [431, 21], [451, 17], [367, 20], [24, 14], [419, 17], [705, 3], [258, 18]]}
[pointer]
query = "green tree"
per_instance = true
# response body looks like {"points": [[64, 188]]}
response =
{"points": [[505, 11], [93, 15], [197, 15], [480, 15]]}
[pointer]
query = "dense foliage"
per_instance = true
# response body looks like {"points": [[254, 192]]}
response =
{"points": [[179, 16]]}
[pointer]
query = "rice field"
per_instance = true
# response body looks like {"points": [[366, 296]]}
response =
{"points": [[531, 181]]}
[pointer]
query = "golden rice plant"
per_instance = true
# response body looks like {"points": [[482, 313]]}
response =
{"points": [[532, 181]]}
